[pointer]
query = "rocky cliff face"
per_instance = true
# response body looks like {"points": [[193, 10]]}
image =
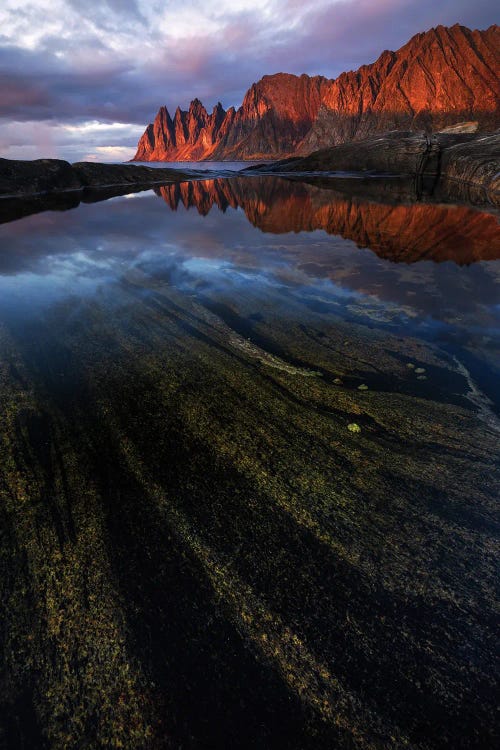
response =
{"points": [[439, 78], [276, 115]]}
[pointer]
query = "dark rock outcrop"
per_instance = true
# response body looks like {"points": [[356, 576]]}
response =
{"points": [[465, 159], [440, 78], [474, 162], [393, 153], [463, 166], [94, 174], [41, 176]]}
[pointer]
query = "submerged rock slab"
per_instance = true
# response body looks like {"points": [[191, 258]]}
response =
{"points": [[198, 549], [202, 545]]}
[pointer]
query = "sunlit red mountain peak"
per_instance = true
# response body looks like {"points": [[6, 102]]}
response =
{"points": [[439, 78]]}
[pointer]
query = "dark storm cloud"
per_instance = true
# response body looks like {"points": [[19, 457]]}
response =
{"points": [[39, 86]]}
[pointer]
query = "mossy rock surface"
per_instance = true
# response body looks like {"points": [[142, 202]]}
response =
{"points": [[195, 552]]}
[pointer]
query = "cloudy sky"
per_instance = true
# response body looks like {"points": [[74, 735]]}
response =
{"points": [[80, 79]]}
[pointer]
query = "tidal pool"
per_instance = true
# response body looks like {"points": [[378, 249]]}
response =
{"points": [[249, 468]]}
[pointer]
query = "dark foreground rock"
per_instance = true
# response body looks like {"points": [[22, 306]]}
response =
{"points": [[475, 162], [19, 178], [38, 176], [395, 153]]}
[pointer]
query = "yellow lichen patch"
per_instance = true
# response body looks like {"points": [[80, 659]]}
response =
{"points": [[74, 636], [304, 674]]}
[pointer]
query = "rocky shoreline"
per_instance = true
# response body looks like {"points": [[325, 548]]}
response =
{"points": [[464, 165], [441, 162], [42, 176]]}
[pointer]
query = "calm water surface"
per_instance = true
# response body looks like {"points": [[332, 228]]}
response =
{"points": [[216, 166], [249, 440]]}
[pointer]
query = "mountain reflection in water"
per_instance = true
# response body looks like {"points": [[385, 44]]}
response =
{"points": [[401, 233], [297, 241], [249, 471]]}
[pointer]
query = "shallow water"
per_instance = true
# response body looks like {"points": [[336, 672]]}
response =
{"points": [[198, 547], [212, 166]]}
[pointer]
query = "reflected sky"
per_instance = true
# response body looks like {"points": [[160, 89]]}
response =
{"points": [[237, 245]]}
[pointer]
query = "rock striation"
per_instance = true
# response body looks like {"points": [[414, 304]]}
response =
{"points": [[439, 79]]}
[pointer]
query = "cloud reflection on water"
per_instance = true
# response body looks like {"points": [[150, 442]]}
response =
{"points": [[220, 250]]}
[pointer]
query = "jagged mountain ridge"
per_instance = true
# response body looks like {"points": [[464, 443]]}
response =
{"points": [[439, 78], [276, 115]]}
